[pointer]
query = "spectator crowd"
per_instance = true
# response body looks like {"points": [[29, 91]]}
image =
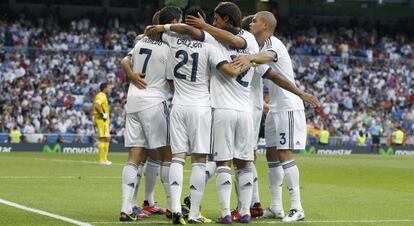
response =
{"points": [[50, 72]]}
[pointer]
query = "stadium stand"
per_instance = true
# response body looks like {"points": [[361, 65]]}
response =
{"points": [[50, 71]]}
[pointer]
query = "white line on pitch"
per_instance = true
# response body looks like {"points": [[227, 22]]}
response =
{"points": [[41, 212], [58, 177], [76, 161], [272, 222]]}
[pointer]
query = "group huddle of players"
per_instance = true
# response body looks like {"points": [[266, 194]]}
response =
{"points": [[216, 73]]}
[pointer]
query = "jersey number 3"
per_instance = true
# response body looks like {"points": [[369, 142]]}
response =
{"points": [[184, 61]]}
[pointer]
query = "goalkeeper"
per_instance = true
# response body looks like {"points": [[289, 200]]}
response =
{"points": [[102, 121]]}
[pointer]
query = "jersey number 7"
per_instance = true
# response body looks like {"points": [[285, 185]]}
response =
{"points": [[184, 61], [148, 52]]}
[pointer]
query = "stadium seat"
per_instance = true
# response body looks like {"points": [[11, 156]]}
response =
{"points": [[4, 137], [52, 138]]}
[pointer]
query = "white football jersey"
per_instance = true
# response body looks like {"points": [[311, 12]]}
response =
{"points": [[257, 86], [281, 99], [233, 92], [150, 58], [189, 67]]}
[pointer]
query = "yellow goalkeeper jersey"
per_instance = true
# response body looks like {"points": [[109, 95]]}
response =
{"points": [[101, 99]]}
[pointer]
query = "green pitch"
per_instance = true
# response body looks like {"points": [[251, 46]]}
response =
{"points": [[336, 190]]}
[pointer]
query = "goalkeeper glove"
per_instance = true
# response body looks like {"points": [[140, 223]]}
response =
{"points": [[104, 116]]}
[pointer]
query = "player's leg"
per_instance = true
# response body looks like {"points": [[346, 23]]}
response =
{"points": [[152, 168], [223, 130], [103, 141], [297, 140], [199, 134], [155, 121], [134, 140], [256, 209], [197, 186], [106, 143], [164, 176], [243, 157], [275, 170], [131, 176], [179, 148]]}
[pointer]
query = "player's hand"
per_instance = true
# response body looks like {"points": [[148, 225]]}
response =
{"points": [[310, 99], [197, 22], [265, 108], [104, 116], [153, 30], [139, 37], [137, 79], [241, 61]]}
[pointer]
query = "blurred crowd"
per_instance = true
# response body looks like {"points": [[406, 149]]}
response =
{"points": [[50, 73]]}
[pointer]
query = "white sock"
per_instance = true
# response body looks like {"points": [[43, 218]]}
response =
{"points": [[236, 187], [245, 190], [131, 176], [223, 184], [210, 170], [176, 183], [255, 195], [197, 185], [292, 182], [141, 165], [165, 180], [275, 174], [151, 173]]}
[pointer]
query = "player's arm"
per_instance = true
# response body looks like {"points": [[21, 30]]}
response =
{"points": [[219, 34], [133, 77], [289, 86], [178, 28], [259, 58], [228, 69], [98, 107]]}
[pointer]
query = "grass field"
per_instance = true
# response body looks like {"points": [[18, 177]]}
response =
{"points": [[336, 190]]}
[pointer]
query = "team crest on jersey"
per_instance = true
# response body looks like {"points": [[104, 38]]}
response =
{"points": [[297, 143]]}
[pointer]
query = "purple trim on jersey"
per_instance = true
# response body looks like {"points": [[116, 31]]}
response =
{"points": [[266, 73], [161, 36], [276, 57], [221, 63], [245, 43], [203, 35]]}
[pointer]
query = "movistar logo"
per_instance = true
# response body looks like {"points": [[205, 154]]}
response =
{"points": [[311, 150], [387, 151], [47, 148]]}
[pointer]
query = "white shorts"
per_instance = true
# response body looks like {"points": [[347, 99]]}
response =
{"points": [[257, 119], [190, 129], [232, 135], [148, 128], [286, 130]]}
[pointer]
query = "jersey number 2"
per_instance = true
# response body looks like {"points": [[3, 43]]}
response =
{"points": [[148, 52], [241, 76], [183, 62]]}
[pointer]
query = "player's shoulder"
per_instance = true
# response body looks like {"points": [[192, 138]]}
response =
{"points": [[149, 42], [246, 35], [250, 40], [273, 42]]}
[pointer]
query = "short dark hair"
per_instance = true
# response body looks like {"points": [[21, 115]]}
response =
{"points": [[194, 10], [231, 10], [245, 24], [103, 86], [168, 14], [156, 17]]}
